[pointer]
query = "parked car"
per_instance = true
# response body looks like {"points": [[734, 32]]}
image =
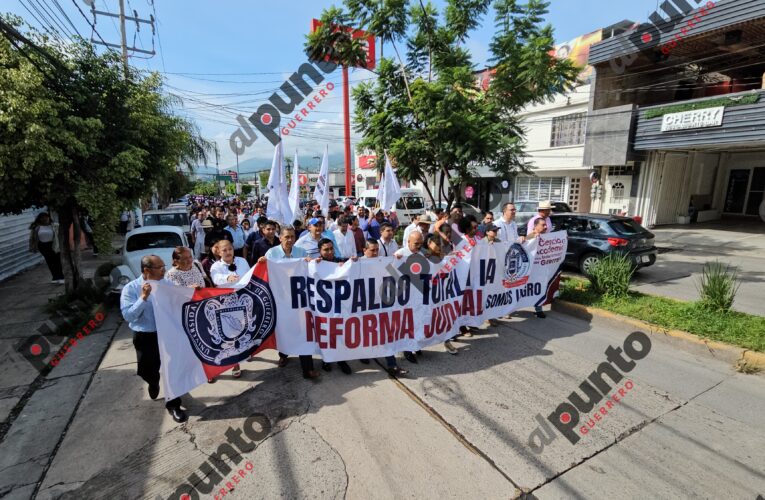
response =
{"points": [[525, 210], [178, 217], [593, 236], [148, 240]]}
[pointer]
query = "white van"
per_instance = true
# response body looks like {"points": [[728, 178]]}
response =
{"points": [[411, 204]]}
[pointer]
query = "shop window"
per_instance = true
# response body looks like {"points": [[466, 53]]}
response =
{"points": [[540, 188]]}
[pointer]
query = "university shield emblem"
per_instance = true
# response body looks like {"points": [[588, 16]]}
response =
{"points": [[225, 329], [517, 266]]}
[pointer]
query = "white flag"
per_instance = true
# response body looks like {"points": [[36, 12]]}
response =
{"points": [[389, 191], [294, 196], [321, 193], [278, 200]]}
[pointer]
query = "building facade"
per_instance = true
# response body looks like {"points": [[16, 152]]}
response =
{"points": [[676, 127]]}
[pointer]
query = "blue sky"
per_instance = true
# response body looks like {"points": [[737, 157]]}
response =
{"points": [[236, 53]]}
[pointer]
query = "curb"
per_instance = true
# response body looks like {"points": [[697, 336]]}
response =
{"points": [[744, 357]]}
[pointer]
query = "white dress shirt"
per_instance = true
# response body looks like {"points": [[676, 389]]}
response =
{"points": [[219, 271], [508, 231], [346, 242], [387, 249]]}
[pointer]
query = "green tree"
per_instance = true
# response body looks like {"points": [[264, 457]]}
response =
{"points": [[425, 108], [76, 135], [205, 188]]}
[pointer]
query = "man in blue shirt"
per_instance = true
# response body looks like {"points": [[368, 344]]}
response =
{"points": [[237, 234], [138, 311], [374, 224]]}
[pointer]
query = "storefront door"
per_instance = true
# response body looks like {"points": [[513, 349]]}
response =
{"points": [[745, 191]]}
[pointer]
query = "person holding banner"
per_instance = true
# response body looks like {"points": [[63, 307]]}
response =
{"points": [[288, 250], [540, 227], [345, 238], [372, 251], [388, 245], [435, 244], [228, 270], [138, 311], [508, 230], [309, 241], [327, 254], [543, 211]]}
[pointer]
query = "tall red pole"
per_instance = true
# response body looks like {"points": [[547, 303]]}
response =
{"points": [[347, 127]]}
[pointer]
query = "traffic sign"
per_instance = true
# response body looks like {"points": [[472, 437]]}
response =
{"points": [[302, 179]]}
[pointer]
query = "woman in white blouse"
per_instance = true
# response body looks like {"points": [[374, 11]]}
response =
{"points": [[229, 269], [186, 271], [226, 271], [43, 238]]}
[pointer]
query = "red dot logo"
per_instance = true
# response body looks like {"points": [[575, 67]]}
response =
{"points": [[185, 496], [266, 118], [416, 268], [647, 38], [36, 349], [565, 418]]}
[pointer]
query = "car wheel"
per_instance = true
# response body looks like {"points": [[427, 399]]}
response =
{"points": [[587, 262]]}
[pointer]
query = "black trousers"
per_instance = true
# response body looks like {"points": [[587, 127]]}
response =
{"points": [[306, 362], [53, 259], [147, 355]]}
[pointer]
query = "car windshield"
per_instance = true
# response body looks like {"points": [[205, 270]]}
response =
{"points": [[626, 226], [178, 219], [146, 241], [526, 206], [410, 203]]}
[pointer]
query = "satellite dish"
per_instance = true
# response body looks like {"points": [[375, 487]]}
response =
{"points": [[762, 210]]}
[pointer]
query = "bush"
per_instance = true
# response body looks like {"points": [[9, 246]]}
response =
{"points": [[718, 286], [611, 275]]}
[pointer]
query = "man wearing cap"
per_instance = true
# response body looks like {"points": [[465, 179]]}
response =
{"points": [[325, 232], [544, 210], [309, 241]]}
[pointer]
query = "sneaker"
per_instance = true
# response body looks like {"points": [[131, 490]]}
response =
{"points": [[450, 347], [541, 314], [397, 372], [410, 357], [467, 334], [236, 372]]}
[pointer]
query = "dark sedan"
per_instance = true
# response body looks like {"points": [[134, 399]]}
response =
{"points": [[592, 236]]}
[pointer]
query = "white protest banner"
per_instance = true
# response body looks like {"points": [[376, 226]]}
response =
{"points": [[378, 307]]}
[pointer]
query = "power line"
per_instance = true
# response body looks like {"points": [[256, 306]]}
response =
{"points": [[52, 15], [92, 26], [58, 5]]}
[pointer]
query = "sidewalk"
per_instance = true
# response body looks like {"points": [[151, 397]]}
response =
{"points": [[459, 427], [685, 250], [36, 410]]}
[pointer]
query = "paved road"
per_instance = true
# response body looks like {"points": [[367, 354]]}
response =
{"points": [[688, 425]]}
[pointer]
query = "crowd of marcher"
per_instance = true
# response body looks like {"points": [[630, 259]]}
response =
{"points": [[230, 236]]}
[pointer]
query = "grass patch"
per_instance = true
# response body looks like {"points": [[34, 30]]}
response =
{"points": [[732, 327]]}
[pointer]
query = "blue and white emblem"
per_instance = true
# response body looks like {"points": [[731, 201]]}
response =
{"points": [[517, 265], [224, 330]]}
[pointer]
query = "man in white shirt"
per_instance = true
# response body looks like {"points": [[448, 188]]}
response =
{"points": [[508, 230], [543, 212], [345, 239], [413, 245], [421, 223], [388, 245]]}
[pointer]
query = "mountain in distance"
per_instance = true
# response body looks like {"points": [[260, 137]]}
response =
{"points": [[250, 168]]}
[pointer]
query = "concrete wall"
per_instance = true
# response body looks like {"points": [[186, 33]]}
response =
{"points": [[14, 242]]}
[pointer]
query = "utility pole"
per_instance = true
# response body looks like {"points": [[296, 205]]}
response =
{"points": [[123, 32], [124, 38]]}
